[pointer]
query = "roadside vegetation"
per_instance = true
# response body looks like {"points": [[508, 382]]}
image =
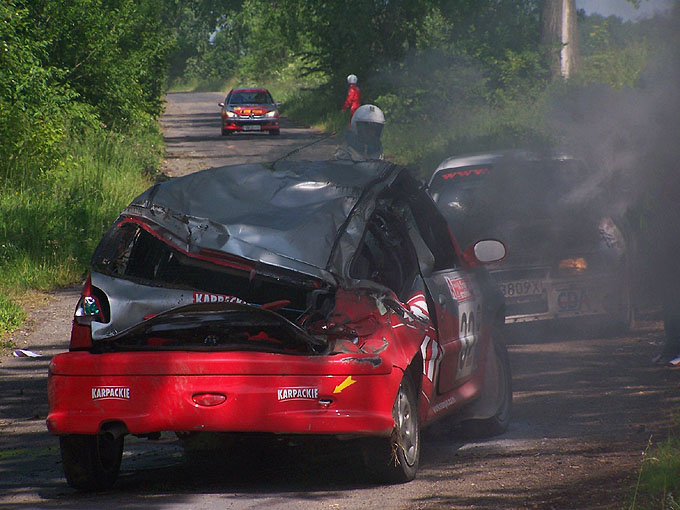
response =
{"points": [[80, 89], [82, 86], [658, 483]]}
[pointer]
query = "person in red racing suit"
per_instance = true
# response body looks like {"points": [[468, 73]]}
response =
{"points": [[353, 100]]}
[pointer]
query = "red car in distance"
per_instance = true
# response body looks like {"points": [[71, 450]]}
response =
{"points": [[250, 110]]}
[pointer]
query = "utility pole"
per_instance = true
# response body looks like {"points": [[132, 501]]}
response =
{"points": [[560, 36]]}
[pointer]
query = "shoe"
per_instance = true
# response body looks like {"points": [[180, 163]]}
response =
{"points": [[675, 362]]}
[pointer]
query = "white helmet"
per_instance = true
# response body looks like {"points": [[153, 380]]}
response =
{"points": [[352, 78], [367, 123], [368, 113]]}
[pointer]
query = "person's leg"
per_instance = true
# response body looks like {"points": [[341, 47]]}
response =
{"points": [[671, 325]]}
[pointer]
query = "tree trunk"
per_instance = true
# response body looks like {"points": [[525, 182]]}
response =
{"points": [[560, 37]]}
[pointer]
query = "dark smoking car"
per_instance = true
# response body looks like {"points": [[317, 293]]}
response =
{"points": [[567, 256], [323, 298], [249, 110]]}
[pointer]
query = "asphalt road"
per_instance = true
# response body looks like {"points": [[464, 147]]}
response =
{"points": [[586, 406]]}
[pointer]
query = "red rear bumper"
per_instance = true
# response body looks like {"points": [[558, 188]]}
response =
{"points": [[152, 392]]}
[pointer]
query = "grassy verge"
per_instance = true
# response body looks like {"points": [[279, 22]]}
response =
{"points": [[52, 221], [658, 484]]}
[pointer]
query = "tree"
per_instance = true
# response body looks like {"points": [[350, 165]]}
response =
{"points": [[560, 37]]}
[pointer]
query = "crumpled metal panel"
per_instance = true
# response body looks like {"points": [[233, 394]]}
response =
{"points": [[288, 217]]}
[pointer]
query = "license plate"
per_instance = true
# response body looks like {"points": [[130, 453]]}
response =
{"points": [[522, 288], [255, 127]]}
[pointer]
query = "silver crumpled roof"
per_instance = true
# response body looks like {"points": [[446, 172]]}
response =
{"points": [[297, 217]]}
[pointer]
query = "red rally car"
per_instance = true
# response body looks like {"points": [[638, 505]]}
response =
{"points": [[249, 110], [323, 298]]}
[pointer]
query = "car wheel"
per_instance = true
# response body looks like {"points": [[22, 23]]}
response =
{"points": [[225, 132], [274, 131], [396, 459], [499, 362], [91, 462]]}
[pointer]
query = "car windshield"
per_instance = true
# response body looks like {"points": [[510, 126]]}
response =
{"points": [[250, 97], [483, 200]]}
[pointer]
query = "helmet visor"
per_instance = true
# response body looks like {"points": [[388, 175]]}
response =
{"points": [[369, 131]]}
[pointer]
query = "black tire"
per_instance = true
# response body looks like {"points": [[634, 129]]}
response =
{"points": [[498, 423], [91, 462], [225, 132], [396, 459], [274, 132]]}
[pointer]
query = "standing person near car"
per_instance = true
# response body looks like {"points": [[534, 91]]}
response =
{"points": [[362, 141], [353, 100], [665, 246]]}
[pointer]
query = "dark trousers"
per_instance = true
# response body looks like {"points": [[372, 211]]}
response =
{"points": [[671, 325]]}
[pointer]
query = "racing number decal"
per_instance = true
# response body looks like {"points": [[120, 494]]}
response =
{"points": [[571, 300]]}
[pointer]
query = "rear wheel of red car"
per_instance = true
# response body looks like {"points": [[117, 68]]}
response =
{"points": [[396, 459], [91, 462], [274, 132], [497, 360]]}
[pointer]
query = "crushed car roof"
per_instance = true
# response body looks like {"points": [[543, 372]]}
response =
{"points": [[297, 217]]}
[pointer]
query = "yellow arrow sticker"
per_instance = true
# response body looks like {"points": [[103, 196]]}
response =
{"points": [[344, 384]]}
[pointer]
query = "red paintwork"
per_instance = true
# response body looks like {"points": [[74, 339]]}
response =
{"points": [[157, 390], [230, 125]]}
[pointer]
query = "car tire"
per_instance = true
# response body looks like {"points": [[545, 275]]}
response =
{"points": [[274, 132], [396, 459], [498, 423], [91, 462], [225, 132]]}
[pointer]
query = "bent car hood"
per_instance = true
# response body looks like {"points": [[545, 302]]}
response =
{"points": [[296, 217]]}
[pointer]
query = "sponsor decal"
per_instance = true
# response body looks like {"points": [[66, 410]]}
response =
{"points": [[418, 306], [432, 355], [573, 301], [297, 394], [344, 384], [204, 297], [110, 393], [443, 405], [459, 289], [465, 173]]}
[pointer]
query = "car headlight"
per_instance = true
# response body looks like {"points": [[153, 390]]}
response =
{"points": [[230, 114], [572, 266], [272, 113]]}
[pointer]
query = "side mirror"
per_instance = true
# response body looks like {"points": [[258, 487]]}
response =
{"points": [[278, 103], [220, 104], [487, 251]]}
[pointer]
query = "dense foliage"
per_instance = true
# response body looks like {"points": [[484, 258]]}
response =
{"points": [[81, 86]]}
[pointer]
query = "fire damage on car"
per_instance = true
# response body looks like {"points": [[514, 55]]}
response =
{"points": [[318, 298], [567, 255]]}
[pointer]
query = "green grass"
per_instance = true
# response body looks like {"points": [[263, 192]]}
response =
{"points": [[52, 220], [658, 483]]}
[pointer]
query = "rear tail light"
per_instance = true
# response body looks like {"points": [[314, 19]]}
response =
{"points": [[88, 309], [572, 266]]}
